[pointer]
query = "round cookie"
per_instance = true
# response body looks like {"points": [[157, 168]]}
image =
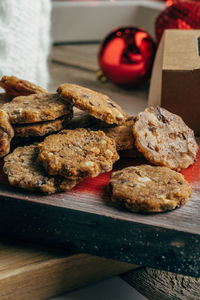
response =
{"points": [[164, 139], [19, 87], [36, 108], [77, 153], [25, 131], [6, 133], [96, 104], [24, 171], [149, 188]]}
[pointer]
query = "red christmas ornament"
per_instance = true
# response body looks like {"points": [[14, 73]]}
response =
{"points": [[180, 15], [126, 56], [170, 2]]}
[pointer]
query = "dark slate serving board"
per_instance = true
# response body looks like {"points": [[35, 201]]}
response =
{"points": [[84, 220]]}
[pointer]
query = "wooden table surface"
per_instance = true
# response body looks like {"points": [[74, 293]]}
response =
{"points": [[82, 220]]}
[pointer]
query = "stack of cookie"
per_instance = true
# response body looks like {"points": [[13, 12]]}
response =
{"points": [[32, 111], [62, 160]]}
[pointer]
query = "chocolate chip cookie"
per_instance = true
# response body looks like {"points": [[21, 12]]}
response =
{"points": [[24, 171], [77, 153], [6, 133], [98, 105], [164, 139], [36, 108], [19, 87], [149, 189]]}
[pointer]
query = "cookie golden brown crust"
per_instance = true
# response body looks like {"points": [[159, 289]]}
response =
{"points": [[36, 108], [98, 105], [19, 87], [77, 153], [149, 189], [6, 133], [24, 171], [164, 139], [40, 129]]}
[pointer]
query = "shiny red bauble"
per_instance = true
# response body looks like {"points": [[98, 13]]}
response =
{"points": [[126, 56], [180, 15], [170, 2]]}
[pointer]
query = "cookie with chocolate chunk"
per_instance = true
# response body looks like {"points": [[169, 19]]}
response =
{"points": [[149, 189], [77, 153], [36, 108], [24, 171], [6, 133], [98, 105], [164, 139], [19, 87]]}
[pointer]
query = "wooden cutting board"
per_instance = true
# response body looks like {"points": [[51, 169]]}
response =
{"points": [[84, 220]]}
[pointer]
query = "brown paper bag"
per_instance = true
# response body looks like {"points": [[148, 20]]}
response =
{"points": [[175, 81]]}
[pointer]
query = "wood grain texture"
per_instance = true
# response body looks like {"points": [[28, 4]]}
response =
{"points": [[33, 272], [162, 285]]}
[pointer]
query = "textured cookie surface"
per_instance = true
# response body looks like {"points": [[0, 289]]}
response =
{"points": [[122, 135], [98, 105], [19, 87], [77, 153], [149, 188], [41, 129], [6, 133], [164, 139], [24, 171], [36, 108]]}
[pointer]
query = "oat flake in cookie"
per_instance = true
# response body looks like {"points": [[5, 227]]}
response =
{"points": [[149, 189], [164, 139], [36, 108], [96, 104], [24, 171], [19, 87], [77, 153]]}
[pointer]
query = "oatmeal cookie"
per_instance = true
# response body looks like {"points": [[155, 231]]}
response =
{"points": [[36, 108], [122, 135], [25, 131], [19, 87], [24, 171], [149, 188], [6, 133], [77, 153], [98, 105], [164, 139]]}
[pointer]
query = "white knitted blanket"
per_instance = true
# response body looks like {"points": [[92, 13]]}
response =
{"points": [[25, 39]]}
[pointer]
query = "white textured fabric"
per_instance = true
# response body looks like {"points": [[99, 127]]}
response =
{"points": [[25, 39]]}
